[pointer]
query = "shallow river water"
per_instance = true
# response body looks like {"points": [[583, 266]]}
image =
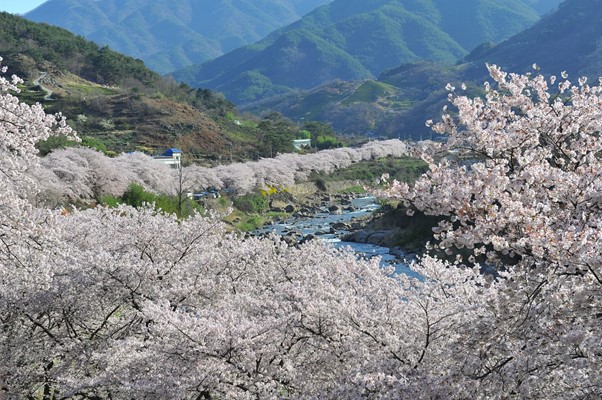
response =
{"points": [[320, 225]]}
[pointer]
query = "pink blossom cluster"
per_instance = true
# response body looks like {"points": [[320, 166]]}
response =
{"points": [[80, 174]]}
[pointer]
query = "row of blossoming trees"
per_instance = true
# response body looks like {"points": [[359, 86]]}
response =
{"points": [[131, 303], [80, 174]]}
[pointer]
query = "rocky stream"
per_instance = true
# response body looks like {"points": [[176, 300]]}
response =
{"points": [[341, 221]]}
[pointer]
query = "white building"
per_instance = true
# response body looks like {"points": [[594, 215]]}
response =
{"points": [[298, 144], [171, 157]]}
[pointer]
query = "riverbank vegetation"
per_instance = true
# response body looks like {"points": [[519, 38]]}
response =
{"points": [[404, 169]]}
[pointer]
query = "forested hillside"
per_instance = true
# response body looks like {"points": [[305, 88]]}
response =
{"points": [[29, 45], [357, 39], [171, 34], [118, 104], [566, 40]]}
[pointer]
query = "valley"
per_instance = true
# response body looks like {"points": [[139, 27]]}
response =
{"points": [[301, 199]]}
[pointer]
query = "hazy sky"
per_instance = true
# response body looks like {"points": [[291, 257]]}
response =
{"points": [[19, 6]]}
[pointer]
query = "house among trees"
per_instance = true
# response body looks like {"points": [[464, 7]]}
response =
{"points": [[171, 157], [299, 144]]}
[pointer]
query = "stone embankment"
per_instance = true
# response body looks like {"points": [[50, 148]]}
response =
{"points": [[393, 228]]}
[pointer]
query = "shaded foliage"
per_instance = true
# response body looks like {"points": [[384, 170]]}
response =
{"points": [[251, 203]]}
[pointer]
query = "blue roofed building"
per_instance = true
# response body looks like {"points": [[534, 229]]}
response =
{"points": [[171, 157]]}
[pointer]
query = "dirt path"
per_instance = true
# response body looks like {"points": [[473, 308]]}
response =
{"points": [[38, 81]]}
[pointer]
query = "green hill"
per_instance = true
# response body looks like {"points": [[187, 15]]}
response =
{"points": [[385, 107], [369, 92], [171, 34], [569, 39], [115, 102], [358, 39]]}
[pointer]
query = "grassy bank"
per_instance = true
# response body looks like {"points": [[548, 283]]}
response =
{"points": [[404, 169]]}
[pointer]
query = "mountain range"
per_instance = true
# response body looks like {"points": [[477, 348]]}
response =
{"points": [[395, 101], [569, 39], [401, 99], [359, 39], [171, 34]]}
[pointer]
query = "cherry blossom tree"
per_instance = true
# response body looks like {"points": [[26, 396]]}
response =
{"points": [[137, 304], [78, 174], [25, 231], [523, 194]]}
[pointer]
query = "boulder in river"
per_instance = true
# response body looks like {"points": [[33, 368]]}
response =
{"points": [[341, 226], [307, 238], [334, 209]]}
